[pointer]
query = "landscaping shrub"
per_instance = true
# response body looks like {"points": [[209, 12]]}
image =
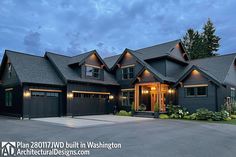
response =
{"points": [[193, 116], [163, 116], [187, 117], [217, 116], [123, 113], [203, 114], [233, 116], [175, 111]]}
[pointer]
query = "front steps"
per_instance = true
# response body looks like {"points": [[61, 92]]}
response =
{"points": [[147, 114]]}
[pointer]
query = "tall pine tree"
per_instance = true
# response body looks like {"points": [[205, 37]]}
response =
{"points": [[201, 45]]}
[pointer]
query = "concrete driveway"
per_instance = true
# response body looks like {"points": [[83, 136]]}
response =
{"points": [[145, 138], [89, 121]]}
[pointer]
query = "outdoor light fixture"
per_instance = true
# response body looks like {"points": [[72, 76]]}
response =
{"points": [[153, 88], [111, 97], [27, 94], [145, 91], [195, 72], [69, 95], [171, 91]]}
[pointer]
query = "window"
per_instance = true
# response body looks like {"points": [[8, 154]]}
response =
{"points": [[190, 92], [128, 73], [196, 91], [9, 70], [127, 98], [8, 98], [87, 95], [92, 72], [52, 94], [38, 94], [232, 94]]}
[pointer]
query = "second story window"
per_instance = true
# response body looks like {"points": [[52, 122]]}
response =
{"points": [[9, 70], [127, 73], [92, 72]]}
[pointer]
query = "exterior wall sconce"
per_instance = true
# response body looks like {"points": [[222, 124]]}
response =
{"points": [[69, 95], [27, 94], [145, 91], [111, 97], [171, 91]]}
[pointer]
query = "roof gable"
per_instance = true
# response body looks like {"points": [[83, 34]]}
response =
{"points": [[33, 69]]}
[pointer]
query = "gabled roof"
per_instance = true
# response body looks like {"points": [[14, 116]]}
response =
{"points": [[110, 61], [80, 59], [156, 51], [32, 69], [216, 68], [62, 64]]}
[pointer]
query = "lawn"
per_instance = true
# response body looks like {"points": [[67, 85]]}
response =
{"points": [[232, 121]]}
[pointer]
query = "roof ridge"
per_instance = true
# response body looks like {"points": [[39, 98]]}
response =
{"points": [[57, 54], [214, 56], [84, 53], [22, 53], [158, 44]]}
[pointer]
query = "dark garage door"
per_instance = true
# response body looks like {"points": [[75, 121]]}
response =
{"points": [[44, 104], [90, 104]]}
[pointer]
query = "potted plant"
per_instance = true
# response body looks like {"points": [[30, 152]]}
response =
{"points": [[156, 110]]}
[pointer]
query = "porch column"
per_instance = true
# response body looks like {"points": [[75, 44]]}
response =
{"points": [[136, 100]]}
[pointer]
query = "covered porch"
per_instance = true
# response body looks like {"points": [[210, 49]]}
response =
{"points": [[150, 94]]}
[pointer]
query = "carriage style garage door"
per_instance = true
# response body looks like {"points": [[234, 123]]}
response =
{"points": [[90, 103], [44, 104]]}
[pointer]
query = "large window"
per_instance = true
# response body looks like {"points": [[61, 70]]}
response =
{"points": [[8, 98], [232, 95], [127, 98], [92, 72], [44, 94], [128, 73], [199, 91]]}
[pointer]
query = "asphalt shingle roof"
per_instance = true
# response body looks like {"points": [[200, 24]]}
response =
{"points": [[110, 61], [62, 63], [33, 69], [217, 66]]}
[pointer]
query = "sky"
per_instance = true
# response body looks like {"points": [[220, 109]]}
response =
{"points": [[71, 27]]}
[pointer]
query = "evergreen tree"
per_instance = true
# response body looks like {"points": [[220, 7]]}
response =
{"points": [[201, 45], [211, 41]]}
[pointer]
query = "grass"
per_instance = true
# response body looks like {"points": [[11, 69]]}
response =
{"points": [[232, 121]]}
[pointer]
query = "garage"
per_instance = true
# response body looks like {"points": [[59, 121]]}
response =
{"points": [[90, 103], [44, 104]]}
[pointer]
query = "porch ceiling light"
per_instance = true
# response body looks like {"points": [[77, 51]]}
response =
{"points": [[145, 91], [171, 91], [153, 88]]}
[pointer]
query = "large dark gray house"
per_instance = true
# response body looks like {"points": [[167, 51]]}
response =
{"points": [[58, 85]]}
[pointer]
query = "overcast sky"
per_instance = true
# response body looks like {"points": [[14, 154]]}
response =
{"points": [[74, 26]]}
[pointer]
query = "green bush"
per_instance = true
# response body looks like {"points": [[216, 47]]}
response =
{"points": [[203, 114], [123, 113], [163, 116], [175, 111], [142, 107], [132, 107], [187, 117], [228, 118], [217, 116], [193, 116], [233, 116]]}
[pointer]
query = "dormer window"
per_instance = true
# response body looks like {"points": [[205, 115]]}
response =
{"points": [[92, 71]]}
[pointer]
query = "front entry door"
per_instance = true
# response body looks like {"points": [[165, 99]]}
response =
{"points": [[153, 100]]}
